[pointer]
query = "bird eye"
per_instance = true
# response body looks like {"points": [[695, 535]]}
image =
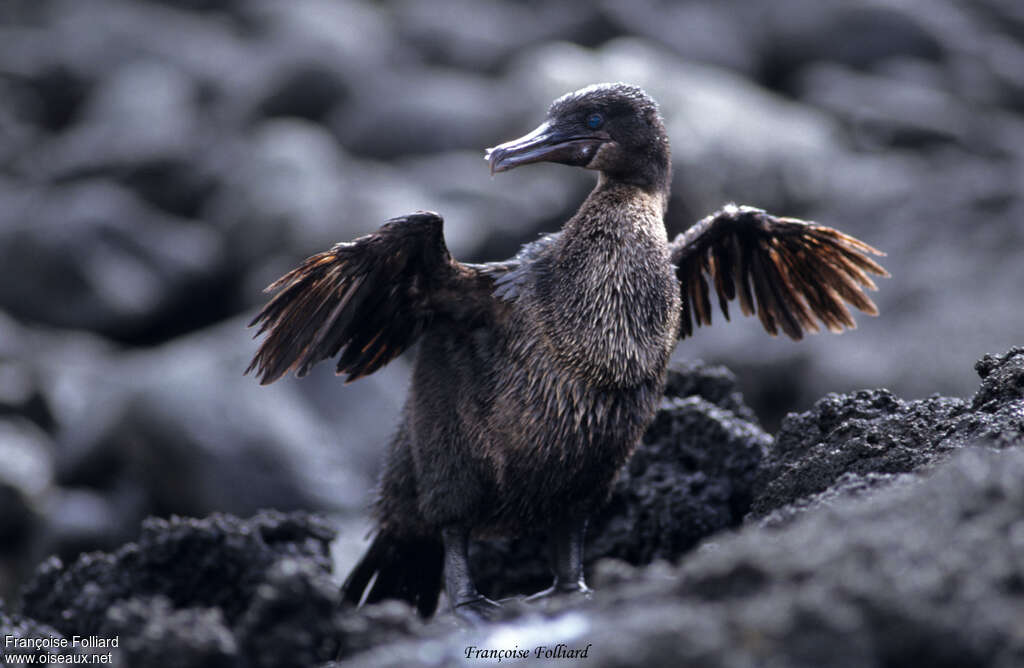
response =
{"points": [[594, 121]]}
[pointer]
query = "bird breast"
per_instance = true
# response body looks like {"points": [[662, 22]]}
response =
{"points": [[611, 314]]}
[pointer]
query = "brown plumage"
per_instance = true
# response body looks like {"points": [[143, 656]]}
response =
{"points": [[789, 272], [536, 377], [362, 296]]}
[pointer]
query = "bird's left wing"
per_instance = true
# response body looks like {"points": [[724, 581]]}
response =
{"points": [[790, 272], [368, 299]]}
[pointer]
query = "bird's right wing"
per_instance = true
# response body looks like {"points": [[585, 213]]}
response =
{"points": [[368, 299]]}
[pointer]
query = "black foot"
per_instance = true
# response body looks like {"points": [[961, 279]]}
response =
{"points": [[476, 611], [578, 590]]}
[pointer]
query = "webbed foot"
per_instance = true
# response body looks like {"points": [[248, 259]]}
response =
{"points": [[477, 611], [565, 542], [576, 590]]}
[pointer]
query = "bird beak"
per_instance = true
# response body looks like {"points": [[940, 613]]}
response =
{"points": [[545, 144]]}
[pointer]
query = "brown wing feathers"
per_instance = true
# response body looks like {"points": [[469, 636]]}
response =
{"points": [[791, 273], [370, 297]]}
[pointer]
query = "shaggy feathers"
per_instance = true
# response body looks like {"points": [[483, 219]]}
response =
{"points": [[785, 270], [537, 376]]}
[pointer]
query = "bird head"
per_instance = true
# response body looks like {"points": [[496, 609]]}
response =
{"points": [[612, 128]]}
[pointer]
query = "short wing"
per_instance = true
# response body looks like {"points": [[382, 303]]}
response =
{"points": [[368, 299], [791, 273]]}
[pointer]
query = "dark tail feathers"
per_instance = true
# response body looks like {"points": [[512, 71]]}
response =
{"points": [[408, 569]]}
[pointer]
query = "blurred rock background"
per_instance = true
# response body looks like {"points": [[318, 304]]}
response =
{"points": [[162, 161]]}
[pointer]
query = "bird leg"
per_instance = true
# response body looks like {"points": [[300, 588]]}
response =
{"points": [[468, 604], [565, 542]]}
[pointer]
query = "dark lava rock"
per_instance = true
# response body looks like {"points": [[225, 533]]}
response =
{"points": [[294, 615], [1002, 380], [27, 456], [220, 591], [26, 475], [220, 561], [691, 476], [717, 384], [16, 519], [93, 256], [907, 113], [380, 625], [483, 36], [424, 111], [171, 430], [17, 627], [924, 573], [861, 36], [143, 113], [715, 34], [874, 432], [191, 435], [909, 557], [21, 392], [152, 632], [304, 90], [870, 431]]}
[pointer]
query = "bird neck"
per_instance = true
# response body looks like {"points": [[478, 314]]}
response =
{"points": [[607, 298], [620, 210], [648, 168]]}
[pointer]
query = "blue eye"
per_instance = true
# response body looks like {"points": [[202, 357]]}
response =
{"points": [[594, 121]]}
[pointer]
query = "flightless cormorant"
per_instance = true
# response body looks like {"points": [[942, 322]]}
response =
{"points": [[536, 377]]}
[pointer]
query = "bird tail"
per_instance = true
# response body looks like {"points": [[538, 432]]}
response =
{"points": [[408, 569]]}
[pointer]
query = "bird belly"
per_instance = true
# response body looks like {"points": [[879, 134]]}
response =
{"points": [[507, 436], [558, 445]]}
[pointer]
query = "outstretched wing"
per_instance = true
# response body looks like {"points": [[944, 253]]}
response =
{"points": [[371, 297], [790, 272]]}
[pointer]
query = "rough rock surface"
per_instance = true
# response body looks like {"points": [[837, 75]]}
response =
{"points": [[217, 562], [860, 439], [927, 572], [161, 161], [912, 555], [187, 586], [919, 567], [20, 628], [259, 590]]}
